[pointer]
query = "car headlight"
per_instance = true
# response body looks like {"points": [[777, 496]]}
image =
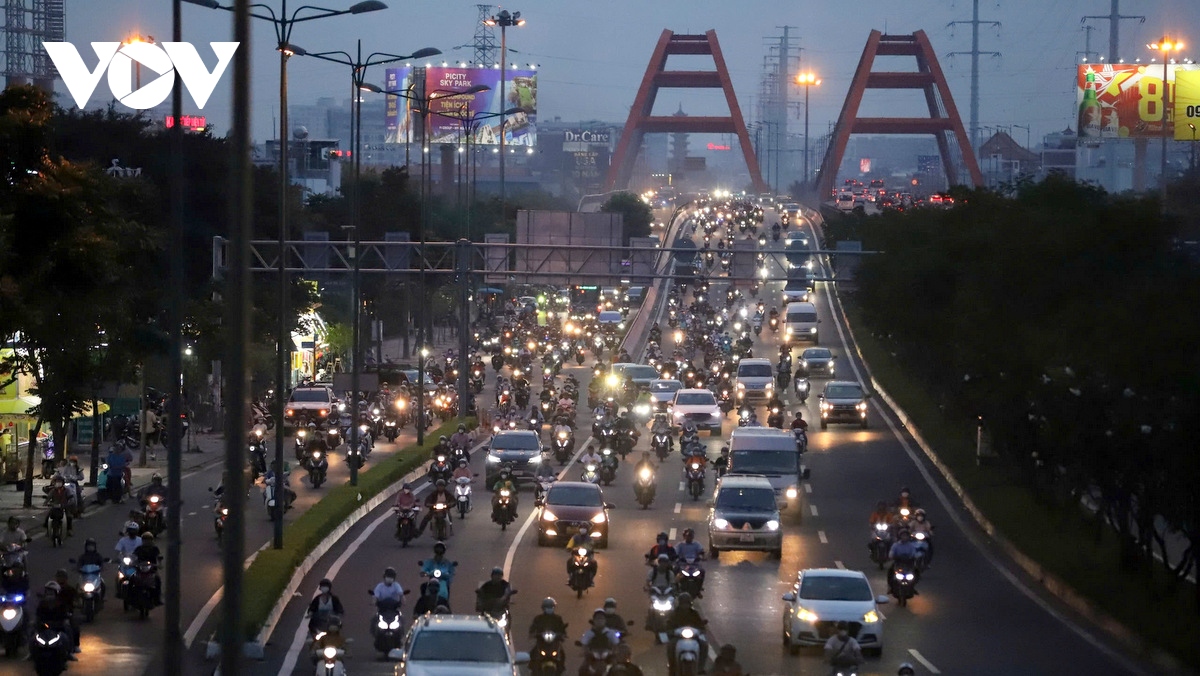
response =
{"points": [[599, 518], [772, 525], [813, 330], [493, 458], [788, 330], [741, 386], [792, 493], [720, 524], [547, 515], [805, 615], [871, 617]]}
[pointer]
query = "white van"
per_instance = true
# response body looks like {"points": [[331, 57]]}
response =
{"points": [[755, 380], [771, 453], [801, 323]]}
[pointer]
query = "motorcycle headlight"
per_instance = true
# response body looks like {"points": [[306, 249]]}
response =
{"points": [[548, 636], [89, 587], [662, 605], [772, 525], [645, 474], [225, 511], [10, 613], [330, 653], [720, 524], [871, 617], [687, 633], [395, 624], [382, 623], [909, 576]]}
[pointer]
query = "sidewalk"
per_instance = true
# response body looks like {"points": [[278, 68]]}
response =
{"points": [[206, 449]]}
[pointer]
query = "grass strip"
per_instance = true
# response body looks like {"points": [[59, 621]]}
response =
{"points": [[268, 576], [1067, 543]]}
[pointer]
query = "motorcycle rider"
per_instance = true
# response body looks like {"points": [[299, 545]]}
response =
{"points": [[324, 607], [800, 377], [389, 590], [590, 457], [614, 619], [721, 464], [662, 574], [906, 669], [60, 496], [623, 662], [799, 423], [406, 499], [53, 611], [920, 524], [441, 448], [841, 650], [493, 594], [661, 547], [67, 596], [598, 636], [148, 552], [583, 539], [689, 548], [726, 663], [90, 556], [644, 463], [504, 481], [881, 514], [903, 552], [439, 562], [461, 438], [439, 494], [685, 615], [129, 541], [548, 620]]}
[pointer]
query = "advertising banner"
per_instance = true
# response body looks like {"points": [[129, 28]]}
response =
{"points": [[1123, 100], [451, 115], [1186, 101], [399, 119]]}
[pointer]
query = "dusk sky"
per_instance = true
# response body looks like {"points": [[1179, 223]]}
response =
{"points": [[591, 56]]}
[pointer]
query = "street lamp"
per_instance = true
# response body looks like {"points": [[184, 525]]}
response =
{"points": [[283, 24], [806, 80], [423, 111], [504, 19], [358, 70], [1165, 46]]}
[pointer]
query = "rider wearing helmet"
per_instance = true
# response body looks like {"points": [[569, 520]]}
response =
{"points": [[549, 622], [388, 591], [324, 608], [685, 615], [439, 494], [661, 547]]}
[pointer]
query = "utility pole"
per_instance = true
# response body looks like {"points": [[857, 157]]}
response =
{"points": [[1087, 54], [975, 23], [485, 39], [1114, 18]]}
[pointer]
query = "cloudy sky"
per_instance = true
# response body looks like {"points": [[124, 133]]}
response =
{"points": [[591, 55]]}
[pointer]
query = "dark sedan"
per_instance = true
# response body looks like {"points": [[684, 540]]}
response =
{"points": [[817, 361], [570, 505], [520, 449]]}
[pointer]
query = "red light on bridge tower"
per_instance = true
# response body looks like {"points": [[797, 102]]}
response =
{"points": [[943, 122], [642, 122]]}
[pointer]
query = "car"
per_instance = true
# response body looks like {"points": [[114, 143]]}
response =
{"points": [[611, 319], [309, 404], [569, 505], [662, 392], [822, 597], [520, 449], [634, 296], [800, 322], [817, 361], [795, 290], [744, 516], [843, 401], [699, 406], [641, 375], [845, 201], [411, 375], [459, 644], [754, 380]]}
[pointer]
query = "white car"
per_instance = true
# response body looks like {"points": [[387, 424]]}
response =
{"points": [[699, 406], [822, 597], [459, 644]]}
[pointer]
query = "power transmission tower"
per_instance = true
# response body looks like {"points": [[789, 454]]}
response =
{"points": [[975, 23], [28, 23], [485, 39], [1114, 18], [780, 64]]}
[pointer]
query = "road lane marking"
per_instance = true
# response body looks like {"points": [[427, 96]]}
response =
{"points": [[924, 662], [839, 564], [822, 538], [512, 547], [812, 508], [808, 488], [671, 536], [1004, 572], [681, 487], [678, 507]]}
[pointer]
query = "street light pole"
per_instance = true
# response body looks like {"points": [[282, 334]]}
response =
{"points": [[1192, 160], [504, 19], [1164, 47], [806, 80], [283, 24]]}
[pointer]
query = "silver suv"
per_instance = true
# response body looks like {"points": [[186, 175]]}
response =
{"points": [[458, 644], [844, 401], [744, 515]]}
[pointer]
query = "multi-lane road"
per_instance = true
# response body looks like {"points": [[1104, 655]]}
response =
{"points": [[975, 613]]}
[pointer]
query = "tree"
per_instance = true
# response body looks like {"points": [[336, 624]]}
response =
{"points": [[637, 214], [75, 268]]}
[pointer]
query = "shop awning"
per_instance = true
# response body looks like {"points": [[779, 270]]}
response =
{"points": [[17, 409], [87, 409]]}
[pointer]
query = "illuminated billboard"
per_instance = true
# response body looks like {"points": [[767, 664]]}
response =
{"points": [[1123, 100], [1186, 102], [450, 116]]}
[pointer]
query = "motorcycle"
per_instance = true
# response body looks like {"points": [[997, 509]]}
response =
{"points": [[687, 651], [625, 442], [695, 478], [221, 513], [152, 518], [57, 514], [125, 572], [269, 497], [775, 418], [691, 577], [12, 622], [406, 524], [317, 465], [580, 579], [563, 445], [440, 469], [441, 521], [329, 661], [462, 496], [904, 583], [803, 387], [644, 487], [90, 591], [662, 604], [391, 429], [354, 456], [541, 487], [140, 594], [589, 474], [333, 438], [387, 624], [608, 466], [881, 544], [923, 543], [546, 658], [301, 444], [49, 649], [503, 512], [595, 660], [258, 455], [661, 443], [801, 440]]}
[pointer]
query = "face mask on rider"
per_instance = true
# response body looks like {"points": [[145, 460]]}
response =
{"points": [[389, 580], [325, 590]]}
